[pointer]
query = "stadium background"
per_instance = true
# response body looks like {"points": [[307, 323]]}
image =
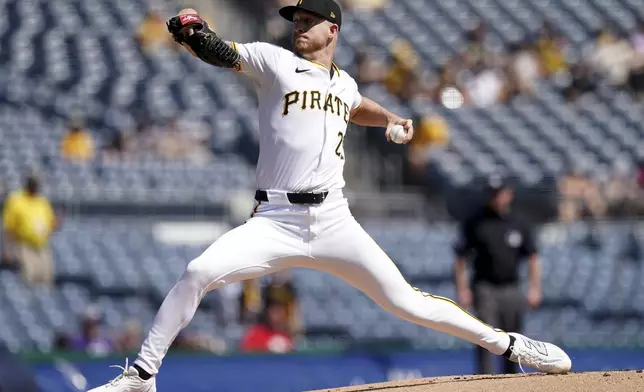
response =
{"points": [[148, 155]]}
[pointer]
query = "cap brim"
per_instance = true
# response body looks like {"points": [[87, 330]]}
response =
{"points": [[289, 11]]}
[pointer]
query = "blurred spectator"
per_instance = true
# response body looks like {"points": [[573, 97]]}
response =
{"points": [[130, 338], [271, 334], [280, 289], [250, 301], [153, 33], [402, 78], [551, 49], [486, 86], [117, 148], [28, 223], [171, 144], [144, 139], [447, 81], [621, 191], [580, 197], [430, 130], [77, 143], [581, 82], [611, 57], [524, 69], [182, 139], [92, 340], [186, 341], [477, 52], [640, 174], [369, 68]]}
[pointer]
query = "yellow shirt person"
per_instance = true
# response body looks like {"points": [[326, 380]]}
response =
{"points": [[153, 33], [29, 219], [432, 130], [28, 223], [77, 145]]}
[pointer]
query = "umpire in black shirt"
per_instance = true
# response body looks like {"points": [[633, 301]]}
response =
{"points": [[496, 241]]}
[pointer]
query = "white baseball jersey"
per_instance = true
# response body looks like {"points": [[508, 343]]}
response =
{"points": [[303, 117], [303, 113]]}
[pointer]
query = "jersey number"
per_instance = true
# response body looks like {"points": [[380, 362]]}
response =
{"points": [[339, 150]]}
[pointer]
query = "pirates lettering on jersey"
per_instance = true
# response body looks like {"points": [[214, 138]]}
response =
{"points": [[329, 103], [313, 100]]}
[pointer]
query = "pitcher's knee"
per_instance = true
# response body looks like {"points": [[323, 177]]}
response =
{"points": [[197, 273]]}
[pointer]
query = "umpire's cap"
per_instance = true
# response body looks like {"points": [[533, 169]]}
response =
{"points": [[327, 9]]}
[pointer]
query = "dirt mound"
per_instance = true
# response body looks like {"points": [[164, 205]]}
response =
{"points": [[624, 381]]}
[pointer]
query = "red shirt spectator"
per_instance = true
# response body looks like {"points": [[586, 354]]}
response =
{"points": [[270, 335], [261, 338]]}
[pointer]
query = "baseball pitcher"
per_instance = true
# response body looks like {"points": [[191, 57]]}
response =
{"points": [[301, 218]]}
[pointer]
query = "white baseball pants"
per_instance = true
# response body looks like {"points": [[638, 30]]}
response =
{"points": [[325, 237]]}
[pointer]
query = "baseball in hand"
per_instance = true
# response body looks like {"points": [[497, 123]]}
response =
{"points": [[397, 134]]}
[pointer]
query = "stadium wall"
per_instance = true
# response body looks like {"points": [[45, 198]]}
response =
{"points": [[302, 372]]}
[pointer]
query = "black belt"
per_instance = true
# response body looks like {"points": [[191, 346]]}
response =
{"points": [[296, 198]]}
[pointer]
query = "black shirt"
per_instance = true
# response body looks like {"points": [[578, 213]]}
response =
{"points": [[497, 244]]}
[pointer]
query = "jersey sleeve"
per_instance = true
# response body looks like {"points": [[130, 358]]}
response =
{"points": [[259, 60], [357, 99]]}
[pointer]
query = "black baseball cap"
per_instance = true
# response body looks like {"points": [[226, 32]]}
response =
{"points": [[327, 9]]}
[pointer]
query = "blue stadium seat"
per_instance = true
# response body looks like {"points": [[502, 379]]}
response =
{"points": [[123, 254]]}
